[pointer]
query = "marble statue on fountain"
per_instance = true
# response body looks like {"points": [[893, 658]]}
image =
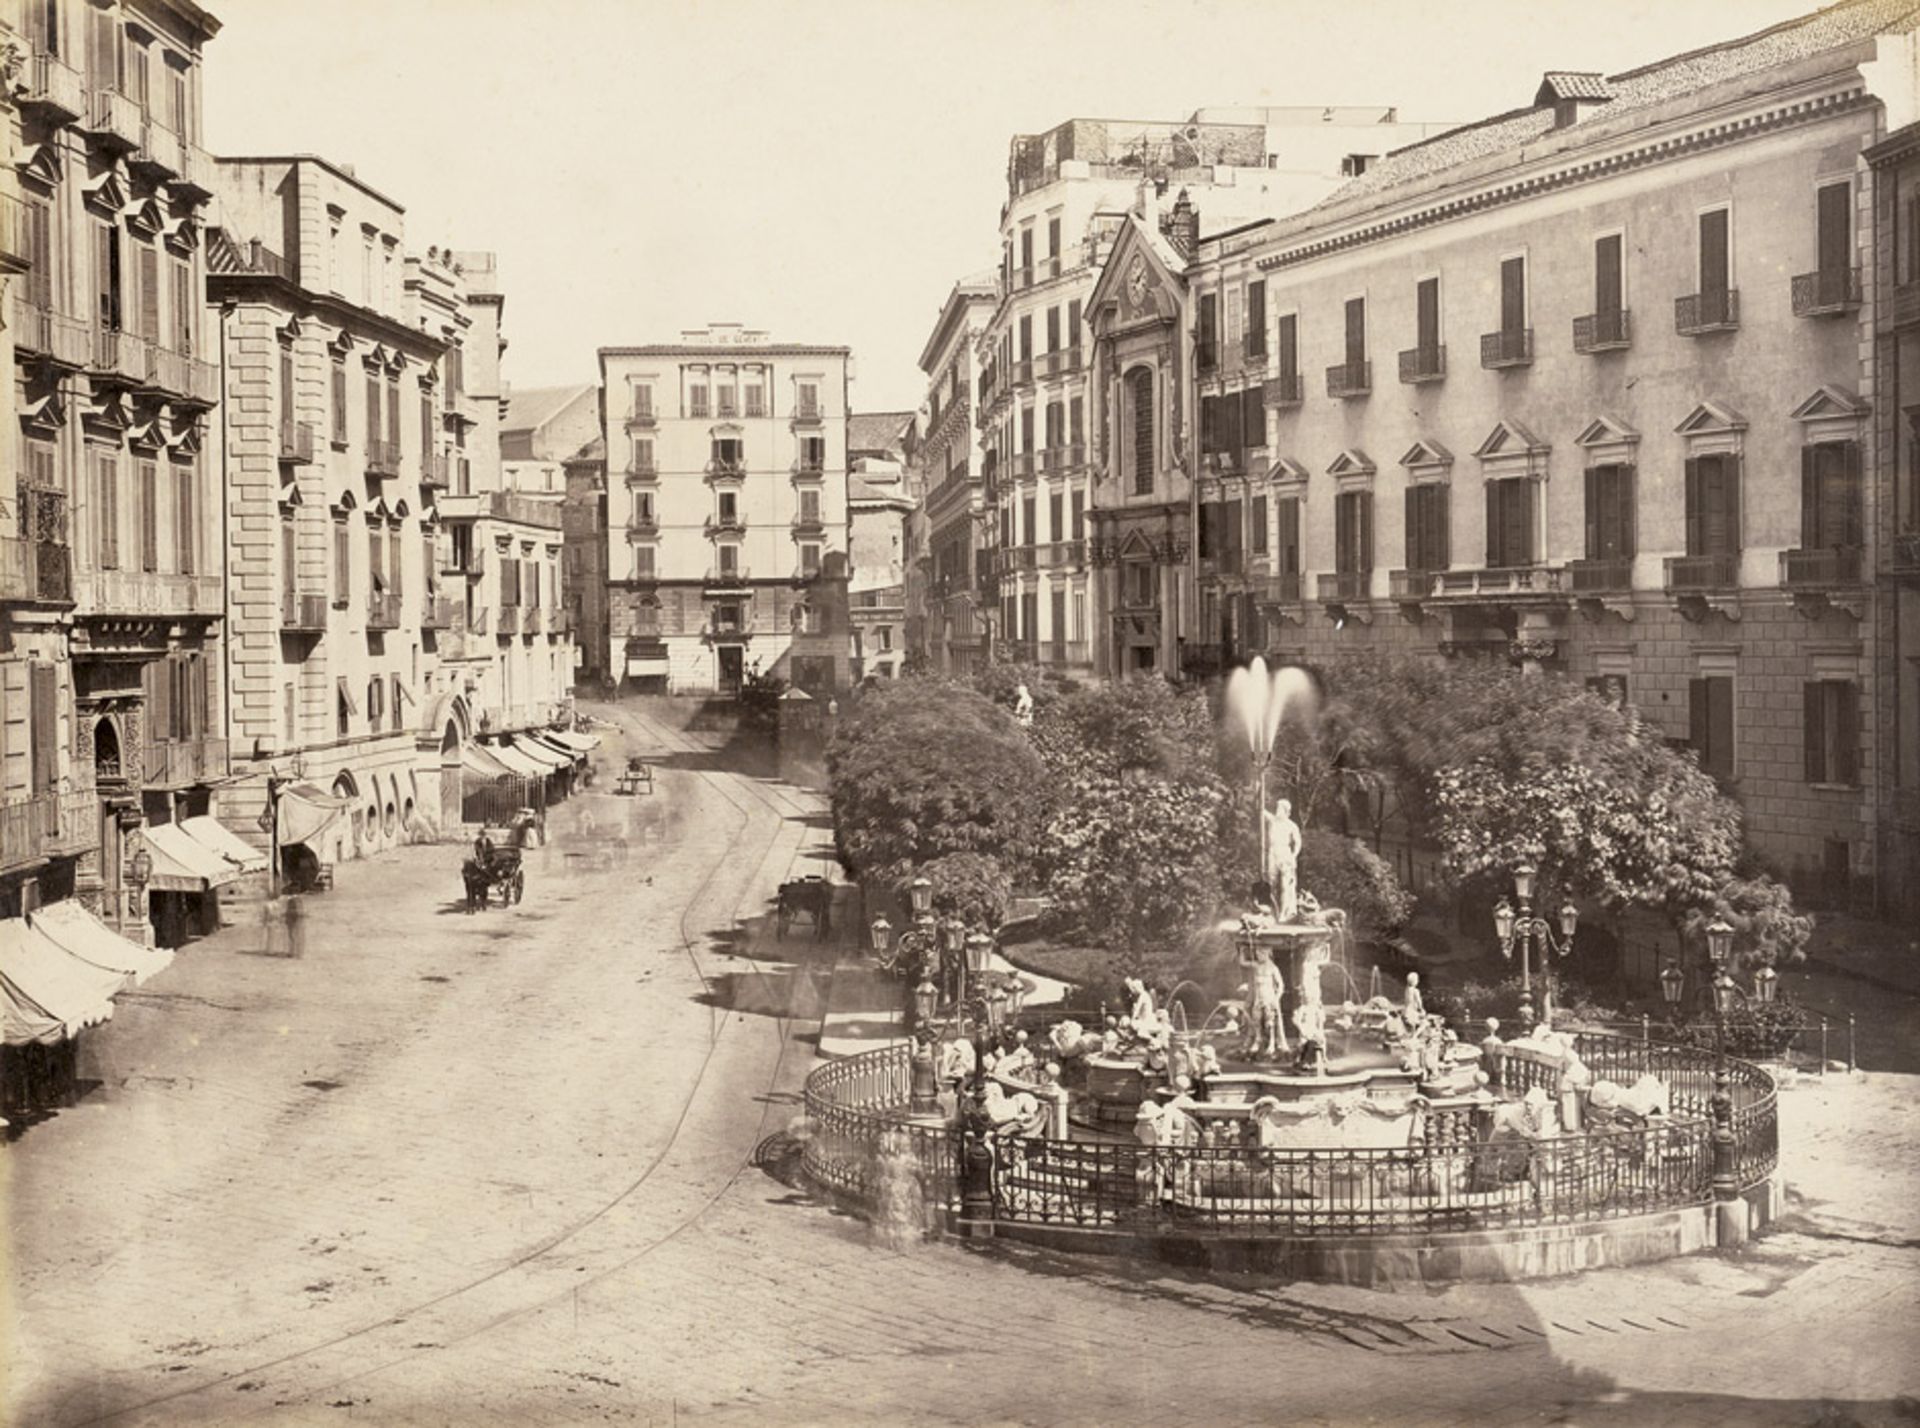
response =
{"points": [[1283, 860]]}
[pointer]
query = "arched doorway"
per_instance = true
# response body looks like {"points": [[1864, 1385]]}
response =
{"points": [[109, 777], [345, 787]]}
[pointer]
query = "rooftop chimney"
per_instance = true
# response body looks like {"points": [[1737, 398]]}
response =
{"points": [[1183, 226], [1574, 94]]}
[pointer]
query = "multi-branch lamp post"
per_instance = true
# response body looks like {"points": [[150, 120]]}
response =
{"points": [[932, 945], [1530, 932], [1726, 996]]}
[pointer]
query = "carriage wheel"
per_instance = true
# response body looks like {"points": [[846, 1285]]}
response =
{"points": [[519, 885]]}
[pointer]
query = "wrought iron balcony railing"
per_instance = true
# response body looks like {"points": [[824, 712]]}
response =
{"points": [[303, 613], [1601, 576], [383, 610], [55, 86], [1423, 364], [296, 443], [383, 457], [1344, 585], [1719, 571], [1510, 347], [1819, 569], [1821, 294], [1286, 390], [64, 341], [1700, 313], [1602, 332], [1350, 379]]}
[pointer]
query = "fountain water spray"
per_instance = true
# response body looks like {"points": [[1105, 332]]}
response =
{"points": [[1259, 699]]}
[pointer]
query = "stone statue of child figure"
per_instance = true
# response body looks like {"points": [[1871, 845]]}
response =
{"points": [[1283, 858]]}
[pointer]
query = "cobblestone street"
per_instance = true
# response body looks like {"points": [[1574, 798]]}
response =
{"points": [[524, 1167]]}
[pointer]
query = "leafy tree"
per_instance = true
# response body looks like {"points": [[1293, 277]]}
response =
{"points": [[971, 886], [1345, 873], [921, 769]]}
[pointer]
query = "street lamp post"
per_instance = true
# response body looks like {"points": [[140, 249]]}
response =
{"points": [[1530, 932], [1719, 947]]}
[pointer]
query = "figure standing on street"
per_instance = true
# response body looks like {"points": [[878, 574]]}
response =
{"points": [[295, 915]]}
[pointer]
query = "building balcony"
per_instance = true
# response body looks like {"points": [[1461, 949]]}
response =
{"points": [[727, 578], [1508, 348], [1016, 557], [1413, 586], [808, 416], [1602, 332], [195, 181], [508, 622], [433, 471], [1286, 390], [809, 523], [134, 592], [643, 421], [725, 526], [114, 118], [1423, 364], [533, 620], [1020, 466], [1063, 554], [296, 443], [642, 527], [301, 613], [1827, 569], [35, 571], [1282, 589], [1702, 313], [16, 254], [383, 457], [1344, 587], [648, 475], [809, 471], [122, 355], [726, 471], [437, 612], [160, 154], [1826, 293], [52, 825], [1350, 379], [1903, 561], [383, 610], [1720, 571], [55, 88], [1502, 582], [1021, 373], [184, 763], [41, 332], [179, 375], [1600, 577], [727, 631]]}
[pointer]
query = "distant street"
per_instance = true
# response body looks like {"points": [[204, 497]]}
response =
{"points": [[441, 1170]]}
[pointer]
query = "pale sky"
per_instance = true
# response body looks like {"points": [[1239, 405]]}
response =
{"points": [[823, 170]]}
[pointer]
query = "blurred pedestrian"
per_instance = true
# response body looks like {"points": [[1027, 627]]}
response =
{"points": [[295, 915]]}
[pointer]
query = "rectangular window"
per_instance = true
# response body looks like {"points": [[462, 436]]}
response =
{"points": [[106, 274], [1253, 418], [1715, 256], [729, 559], [1257, 319], [729, 507], [1426, 303], [643, 399], [1053, 237], [373, 412], [1510, 519], [756, 399], [1832, 730], [393, 416], [726, 453], [149, 501], [339, 404], [809, 559], [1026, 254], [1259, 532], [1207, 333], [643, 562], [1609, 276], [1287, 347], [1077, 421], [813, 453], [807, 399], [1610, 515], [1079, 515], [1356, 331], [1026, 337], [107, 505], [810, 505], [725, 401], [1053, 329], [426, 429], [1710, 724], [44, 729], [185, 518], [1713, 505], [697, 399], [1027, 506], [1353, 532], [1513, 294], [1427, 526], [181, 329], [1833, 205], [1830, 496], [1026, 430], [1073, 325], [342, 564], [149, 295], [40, 252], [1287, 540], [1056, 513]]}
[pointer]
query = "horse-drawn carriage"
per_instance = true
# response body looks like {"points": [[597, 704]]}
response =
{"points": [[812, 897], [497, 867]]}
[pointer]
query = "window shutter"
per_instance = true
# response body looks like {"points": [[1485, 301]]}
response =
{"points": [[1607, 288], [1257, 319], [1427, 314], [1696, 516], [1813, 731], [1595, 546], [1365, 562], [1846, 737], [1513, 294], [149, 517], [105, 270], [1851, 525], [373, 411], [1230, 424], [149, 293], [1629, 478], [1253, 417], [1720, 724], [1416, 537], [1730, 480], [393, 416], [45, 714], [1809, 496], [1495, 551], [1260, 525], [1289, 352], [1697, 721], [1356, 318]]}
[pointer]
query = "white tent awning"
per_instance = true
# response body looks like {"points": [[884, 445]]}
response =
{"points": [[182, 865], [85, 936], [210, 833]]}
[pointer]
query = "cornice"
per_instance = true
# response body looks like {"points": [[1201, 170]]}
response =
{"points": [[1570, 175], [290, 297]]}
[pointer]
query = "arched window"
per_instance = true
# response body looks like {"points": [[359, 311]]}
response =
{"points": [[1139, 388]]}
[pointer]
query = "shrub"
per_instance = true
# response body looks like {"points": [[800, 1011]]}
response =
{"points": [[1343, 872]]}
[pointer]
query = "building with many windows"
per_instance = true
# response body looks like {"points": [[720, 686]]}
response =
{"points": [[113, 674], [1586, 385], [334, 455], [951, 513], [583, 571], [726, 511], [1068, 191]]}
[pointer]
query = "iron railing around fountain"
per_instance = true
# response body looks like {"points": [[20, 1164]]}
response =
{"points": [[1451, 1176]]}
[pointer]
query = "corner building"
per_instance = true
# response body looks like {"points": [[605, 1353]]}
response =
{"points": [[726, 512], [1586, 385]]}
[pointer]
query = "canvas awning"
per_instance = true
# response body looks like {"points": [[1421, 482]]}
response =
{"points": [[85, 936], [518, 762], [478, 759], [569, 755], [46, 994], [182, 865], [306, 812], [571, 739], [551, 760], [639, 666], [214, 835]]}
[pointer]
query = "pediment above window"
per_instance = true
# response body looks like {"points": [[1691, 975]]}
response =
{"points": [[291, 330], [105, 193], [346, 505], [1713, 429], [1136, 547], [727, 430], [1286, 471], [182, 234], [376, 358], [377, 512], [290, 497], [186, 437], [1608, 441], [1352, 467], [39, 164], [396, 362], [400, 510], [1831, 414], [147, 433], [1509, 450], [106, 409], [48, 411], [341, 344], [1427, 458], [144, 217]]}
